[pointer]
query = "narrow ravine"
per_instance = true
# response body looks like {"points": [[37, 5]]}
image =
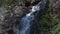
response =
{"points": [[28, 19]]}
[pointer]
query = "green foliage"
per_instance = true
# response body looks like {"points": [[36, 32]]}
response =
{"points": [[8, 4], [50, 21], [8, 1], [46, 19]]}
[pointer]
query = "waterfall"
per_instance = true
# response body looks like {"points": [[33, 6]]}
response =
{"points": [[28, 19]]}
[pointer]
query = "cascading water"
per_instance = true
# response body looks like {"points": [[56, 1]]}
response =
{"points": [[30, 17]]}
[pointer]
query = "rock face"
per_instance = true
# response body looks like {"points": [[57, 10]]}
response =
{"points": [[3, 24], [20, 11], [55, 5], [9, 18]]}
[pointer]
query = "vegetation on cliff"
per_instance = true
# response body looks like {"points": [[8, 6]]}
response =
{"points": [[49, 23]]}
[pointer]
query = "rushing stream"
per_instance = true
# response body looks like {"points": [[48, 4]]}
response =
{"points": [[27, 20]]}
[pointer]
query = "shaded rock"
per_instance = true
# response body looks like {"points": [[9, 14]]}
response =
{"points": [[20, 11], [55, 6], [3, 12], [9, 18], [3, 27]]}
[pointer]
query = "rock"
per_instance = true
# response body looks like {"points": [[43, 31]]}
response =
{"points": [[19, 11], [9, 18], [55, 6], [3, 12]]}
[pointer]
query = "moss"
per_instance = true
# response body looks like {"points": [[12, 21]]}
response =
{"points": [[8, 4]]}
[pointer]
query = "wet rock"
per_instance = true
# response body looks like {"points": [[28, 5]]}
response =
{"points": [[9, 18]]}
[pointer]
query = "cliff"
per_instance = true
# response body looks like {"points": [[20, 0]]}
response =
{"points": [[11, 11]]}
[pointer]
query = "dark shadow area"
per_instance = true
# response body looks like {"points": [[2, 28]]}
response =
{"points": [[35, 28], [10, 32]]}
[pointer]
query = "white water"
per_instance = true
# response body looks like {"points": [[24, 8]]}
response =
{"points": [[28, 19]]}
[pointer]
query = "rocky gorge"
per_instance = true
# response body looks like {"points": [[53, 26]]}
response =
{"points": [[11, 11]]}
